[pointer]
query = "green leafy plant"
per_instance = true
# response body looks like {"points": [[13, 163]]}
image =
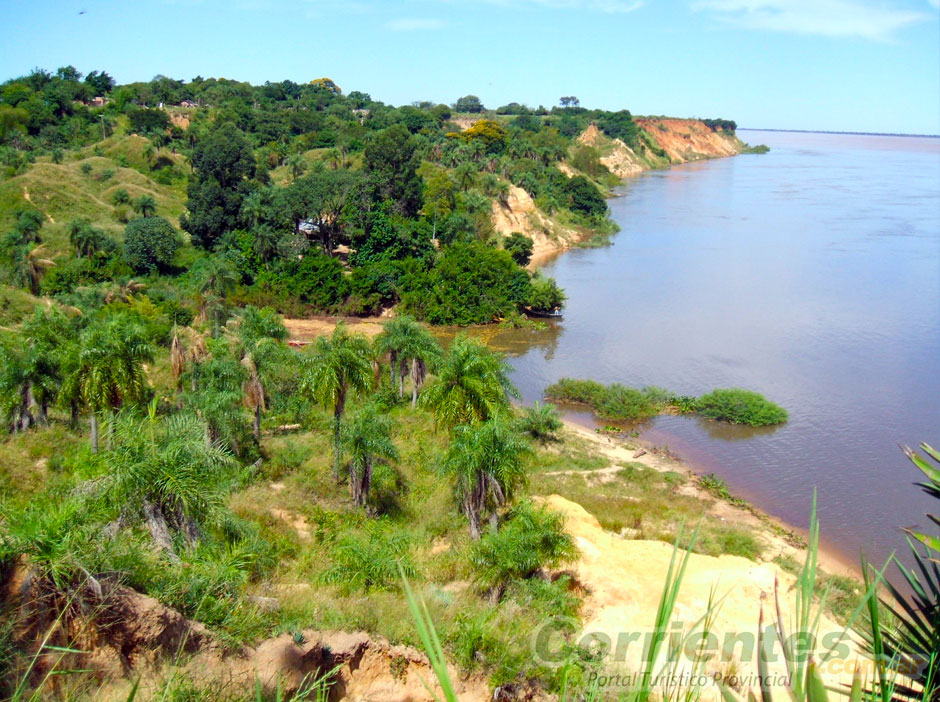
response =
{"points": [[740, 407]]}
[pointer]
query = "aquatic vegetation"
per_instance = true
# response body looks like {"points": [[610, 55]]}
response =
{"points": [[621, 403]]}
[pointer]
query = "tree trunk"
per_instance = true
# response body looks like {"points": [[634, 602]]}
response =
{"points": [[337, 419], [475, 530], [392, 365], [73, 417], [94, 433], [414, 382], [366, 482], [257, 426], [159, 529]]}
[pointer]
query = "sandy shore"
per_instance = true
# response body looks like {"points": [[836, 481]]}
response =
{"points": [[780, 539]]}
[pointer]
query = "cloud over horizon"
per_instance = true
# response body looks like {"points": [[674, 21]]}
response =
{"points": [[413, 24], [831, 18]]}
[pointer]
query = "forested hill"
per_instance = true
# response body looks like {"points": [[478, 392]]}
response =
{"points": [[296, 196]]}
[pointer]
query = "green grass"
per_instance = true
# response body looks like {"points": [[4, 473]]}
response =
{"points": [[618, 402], [62, 192]]}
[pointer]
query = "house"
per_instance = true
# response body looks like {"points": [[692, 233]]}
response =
{"points": [[187, 103], [308, 227], [96, 102]]}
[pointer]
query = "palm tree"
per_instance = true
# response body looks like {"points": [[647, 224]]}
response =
{"points": [[215, 278], [253, 207], [418, 350], [335, 158], [145, 206], [162, 472], [29, 266], [259, 333], [253, 394], [367, 438], [85, 239], [109, 369], [410, 346], [472, 385], [340, 363], [487, 462], [907, 641], [297, 165]]}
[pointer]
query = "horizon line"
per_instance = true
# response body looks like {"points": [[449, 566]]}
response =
{"points": [[832, 131]]}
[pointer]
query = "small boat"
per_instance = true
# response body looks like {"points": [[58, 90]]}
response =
{"points": [[550, 314]]}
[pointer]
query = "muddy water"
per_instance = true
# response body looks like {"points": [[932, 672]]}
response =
{"points": [[810, 274]]}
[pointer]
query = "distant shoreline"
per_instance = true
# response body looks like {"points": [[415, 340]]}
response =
{"points": [[823, 131]]}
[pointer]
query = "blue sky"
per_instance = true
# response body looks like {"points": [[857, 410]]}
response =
{"points": [[858, 65]]}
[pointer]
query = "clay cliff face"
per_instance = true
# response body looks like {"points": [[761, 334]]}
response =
{"points": [[681, 140], [689, 139]]}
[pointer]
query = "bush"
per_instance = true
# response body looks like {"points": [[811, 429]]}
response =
{"points": [[120, 197], [740, 407], [584, 197], [316, 280], [616, 402], [519, 247], [530, 539], [471, 284], [364, 562], [150, 243], [544, 294], [541, 422]]}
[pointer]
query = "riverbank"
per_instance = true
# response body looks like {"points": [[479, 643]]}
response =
{"points": [[781, 541], [663, 142]]}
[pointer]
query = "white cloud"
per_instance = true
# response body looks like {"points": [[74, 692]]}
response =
{"points": [[413, 24], [934, 4], [832, 18], [612, 6]]}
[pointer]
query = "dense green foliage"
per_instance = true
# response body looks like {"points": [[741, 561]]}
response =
{"points": [[740, 407], [621, 403], [150, 243], [273, 173]]}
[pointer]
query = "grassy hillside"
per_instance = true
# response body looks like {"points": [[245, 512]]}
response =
{"points": [[84, 184]]}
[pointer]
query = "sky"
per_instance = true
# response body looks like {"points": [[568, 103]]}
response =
{"points": [[841, 65]]}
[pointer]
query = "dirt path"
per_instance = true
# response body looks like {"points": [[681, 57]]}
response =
{"points": [[307, 330], [30, 201]]}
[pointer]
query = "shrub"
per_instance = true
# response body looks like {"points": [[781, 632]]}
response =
{"points": [[541, 422], [120, 197], [544, 294], [471, 284], [150, 243], [584, 197], [316, 280], [85, 168], [740, 407], [519, 247], [616, 402], [364, 562], [530, 539]]}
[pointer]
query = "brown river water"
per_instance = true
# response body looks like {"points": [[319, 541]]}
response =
{"points": [[810, 274]]}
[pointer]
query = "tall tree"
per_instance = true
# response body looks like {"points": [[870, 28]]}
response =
{"points": [[472, 385], [109, 370], [145, 206], [222, 162], [487, 462], [366, 439], [259, 333], [391, 161], [341, 362]]}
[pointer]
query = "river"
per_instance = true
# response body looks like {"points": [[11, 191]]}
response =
{"points": [[810, 274]]}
